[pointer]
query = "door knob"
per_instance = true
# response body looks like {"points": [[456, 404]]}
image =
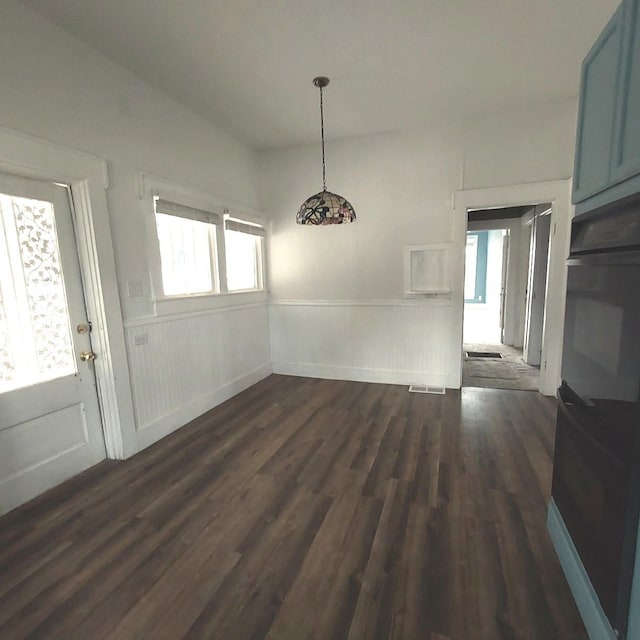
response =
{"points": [[86, 356]]}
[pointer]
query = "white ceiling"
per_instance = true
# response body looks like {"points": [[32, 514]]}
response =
{"points": [[247, 65]]}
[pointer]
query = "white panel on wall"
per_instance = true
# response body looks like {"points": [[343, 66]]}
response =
{"points": [[426, 269], [181, 366], [397, 342], [30, 444]]}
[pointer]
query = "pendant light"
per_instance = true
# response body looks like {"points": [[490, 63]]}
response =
{"points": [[325, 207]]}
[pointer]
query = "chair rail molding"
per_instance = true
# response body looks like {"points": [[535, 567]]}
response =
{"points": [[394, 302]]}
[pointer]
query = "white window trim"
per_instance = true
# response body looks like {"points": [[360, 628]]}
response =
{"points": [[244, 226], [178, 210], [149, 187]]}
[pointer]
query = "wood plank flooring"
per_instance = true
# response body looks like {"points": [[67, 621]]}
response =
{"points": [[302, 509]]}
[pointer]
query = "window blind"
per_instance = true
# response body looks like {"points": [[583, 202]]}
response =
{"points": [[183, 211], [243, 227]]}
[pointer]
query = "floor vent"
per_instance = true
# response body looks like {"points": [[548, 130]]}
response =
{"points": [[483, 354], [421, 388]]}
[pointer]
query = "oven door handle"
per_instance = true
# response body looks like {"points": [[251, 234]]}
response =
{"points": [[594, 442]]}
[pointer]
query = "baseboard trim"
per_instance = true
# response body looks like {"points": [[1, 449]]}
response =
{"points": [[150, 433], [355, 374], [595, 621]]}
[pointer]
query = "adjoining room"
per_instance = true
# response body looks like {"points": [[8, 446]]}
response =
{"points": [[506, 265]]}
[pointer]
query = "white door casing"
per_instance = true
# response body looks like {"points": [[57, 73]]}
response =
{"points": [[531, 226], [87, 176], [50, 425], [536, 290], [558, 193], [503, 283]]}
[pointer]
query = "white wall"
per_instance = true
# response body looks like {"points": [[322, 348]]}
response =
{"points": [[401, 185], [59, 89]]}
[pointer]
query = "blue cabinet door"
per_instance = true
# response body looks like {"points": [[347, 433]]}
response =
{"points": [[597, 111], [626, 143]]}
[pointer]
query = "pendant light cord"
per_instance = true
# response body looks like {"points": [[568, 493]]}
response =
{"points": [[324, 171]]}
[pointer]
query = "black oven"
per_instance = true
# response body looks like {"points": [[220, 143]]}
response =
{"points": [[596, 476]]}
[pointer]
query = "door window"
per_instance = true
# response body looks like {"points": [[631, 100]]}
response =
{"points": [[35, 336]]}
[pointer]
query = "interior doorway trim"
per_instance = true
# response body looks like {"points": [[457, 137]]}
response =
{"points": [[87, 176], [558, 193]]}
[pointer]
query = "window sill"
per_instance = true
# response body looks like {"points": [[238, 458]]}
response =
{"points": [[204, 302]]}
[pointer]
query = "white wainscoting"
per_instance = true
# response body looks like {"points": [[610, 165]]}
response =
{"points": [[391, 341], [183, 365]]}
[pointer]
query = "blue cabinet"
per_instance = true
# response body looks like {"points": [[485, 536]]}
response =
{"points": [[597, 111], [607, 161], [626, 144]]}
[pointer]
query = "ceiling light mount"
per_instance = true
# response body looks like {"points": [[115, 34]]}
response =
{"points": [[325, 207]]}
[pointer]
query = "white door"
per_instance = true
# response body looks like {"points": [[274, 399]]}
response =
{"points": [[50, 427], [537, 289], [503, 284]]}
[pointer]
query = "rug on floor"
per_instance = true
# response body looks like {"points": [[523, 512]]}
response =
{"points": [[499, 369]]}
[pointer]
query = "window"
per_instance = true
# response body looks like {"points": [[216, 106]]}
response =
{"points": [[475, 277], [198, 256], [188, 256], [244, 251], [35, 336]]}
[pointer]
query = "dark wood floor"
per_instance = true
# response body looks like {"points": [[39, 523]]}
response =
{"points": [[304, 509]]}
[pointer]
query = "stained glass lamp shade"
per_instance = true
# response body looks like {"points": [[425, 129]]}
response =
{"points": [[325, 207]]}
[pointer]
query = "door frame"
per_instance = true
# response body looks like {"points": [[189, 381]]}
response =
{"points": [[558, 193], [87, 176], [537, 251]]}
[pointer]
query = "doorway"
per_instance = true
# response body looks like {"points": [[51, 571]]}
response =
{"points": [[506, 267], [50, 422], [558, 193]]}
